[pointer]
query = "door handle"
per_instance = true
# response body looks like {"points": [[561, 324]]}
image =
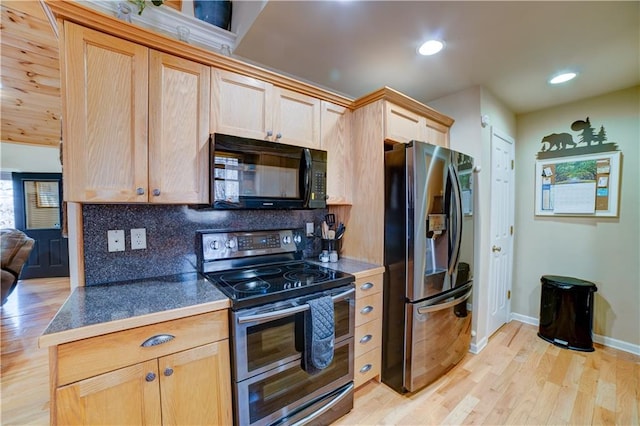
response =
{"points": [[496, 248], [448, 304]]}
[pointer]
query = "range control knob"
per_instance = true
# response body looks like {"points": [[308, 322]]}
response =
{"points": [[297, 239], [215, 245], [286, 239], [230, 244]]}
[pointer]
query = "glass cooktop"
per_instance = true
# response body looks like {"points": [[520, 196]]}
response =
{"points": [[254, 286]]}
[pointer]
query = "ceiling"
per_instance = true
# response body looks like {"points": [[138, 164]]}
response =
{"points": [[511, 48], [30, 75], [356, 47]]}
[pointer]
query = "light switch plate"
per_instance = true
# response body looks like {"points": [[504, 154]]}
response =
{"points": [[115, 239], [309, 229]]}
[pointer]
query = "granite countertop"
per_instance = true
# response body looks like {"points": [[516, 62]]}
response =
{"points": [[101, 309], [355, 267]]}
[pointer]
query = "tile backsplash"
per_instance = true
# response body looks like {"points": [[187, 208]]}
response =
{"points": [[171, 232]]}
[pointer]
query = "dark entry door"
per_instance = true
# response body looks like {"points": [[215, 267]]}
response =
{"points": [[38, 213]]}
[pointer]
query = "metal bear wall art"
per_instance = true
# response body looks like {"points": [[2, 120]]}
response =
{"points": [[563, 144]]}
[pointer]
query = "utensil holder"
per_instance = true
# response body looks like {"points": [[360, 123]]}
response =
{"points": [[332, 245]]}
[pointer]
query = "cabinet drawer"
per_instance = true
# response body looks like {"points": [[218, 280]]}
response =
{"points": [[369, 285], [367, 367], [367, 337], [368, 308], [89, 357]]}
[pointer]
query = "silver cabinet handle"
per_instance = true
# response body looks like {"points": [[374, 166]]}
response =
{"points": [[496, 248], [366, 309], [279, 135], [269, 133], [366, 338], [366, 286], [140, 191], [156, 192], [168, 371], [366, 368], [157, 340], [150, 377]]}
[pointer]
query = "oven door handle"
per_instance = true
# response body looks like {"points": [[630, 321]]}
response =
{"points": [[324, 409], [288, 311]]}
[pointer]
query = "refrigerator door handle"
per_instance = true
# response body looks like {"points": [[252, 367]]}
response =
{"points": [[455, 253], [445, 305]]}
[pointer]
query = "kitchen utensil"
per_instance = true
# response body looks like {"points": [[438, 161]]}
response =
{"points": [[331, 234], [325, 230], [340, 231], [330, 219]]}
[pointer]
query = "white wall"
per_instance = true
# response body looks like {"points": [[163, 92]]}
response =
{"points": [[605, 251], [468, 136], [28, 158]]}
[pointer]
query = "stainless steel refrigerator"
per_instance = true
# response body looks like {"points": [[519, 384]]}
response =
{"points": [[428, 252]]}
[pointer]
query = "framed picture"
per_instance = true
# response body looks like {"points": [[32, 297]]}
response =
{"points": [[584, 185]]}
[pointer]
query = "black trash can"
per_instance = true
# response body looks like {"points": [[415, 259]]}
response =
{"points": [[566, 312]]}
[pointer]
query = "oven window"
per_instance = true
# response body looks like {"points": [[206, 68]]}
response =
{"points": [[252, 174], [285, 388], [270, 342], [341, 318]]}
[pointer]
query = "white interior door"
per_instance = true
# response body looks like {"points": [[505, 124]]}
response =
{"points": [[502, 217]]}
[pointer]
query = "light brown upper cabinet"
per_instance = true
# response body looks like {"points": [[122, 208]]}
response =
{"points": [[248, 107], [336, 140], [136, 122], [380, 119], [402, 125]]}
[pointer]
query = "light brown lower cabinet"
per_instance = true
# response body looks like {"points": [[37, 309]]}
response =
{"points": [[192, 386], [368, 332]]}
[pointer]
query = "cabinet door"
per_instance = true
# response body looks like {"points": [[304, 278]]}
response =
{"points": [[402, 125], [240, 106], [196, 386], [296, 119], [178, 129], [105, 117], [119, 397], [336, 140], [435, 134]]}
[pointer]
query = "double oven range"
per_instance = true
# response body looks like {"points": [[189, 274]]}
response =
{"points": [[270, 285]]}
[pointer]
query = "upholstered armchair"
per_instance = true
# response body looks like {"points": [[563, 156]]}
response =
{"points": [[16, 247]]}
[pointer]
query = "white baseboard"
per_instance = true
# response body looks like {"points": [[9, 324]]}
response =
{"points": [[525, 319], [617, 344], [475, 348], [603, 340]]}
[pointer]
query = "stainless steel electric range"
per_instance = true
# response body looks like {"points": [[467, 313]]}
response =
{"points": [[270, 287]]}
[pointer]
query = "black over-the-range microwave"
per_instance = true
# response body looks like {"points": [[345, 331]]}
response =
{"points": [[256, 174]]}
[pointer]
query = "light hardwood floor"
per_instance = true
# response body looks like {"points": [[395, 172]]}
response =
{"points": [[517, 379], [25, 367]]}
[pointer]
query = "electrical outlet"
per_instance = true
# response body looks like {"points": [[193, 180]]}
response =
{"points": [[115, 239], [138, 239], [309, 229]]}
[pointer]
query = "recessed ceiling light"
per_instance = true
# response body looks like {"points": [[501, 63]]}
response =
{"points": [[563, 78], [431, 47]]}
